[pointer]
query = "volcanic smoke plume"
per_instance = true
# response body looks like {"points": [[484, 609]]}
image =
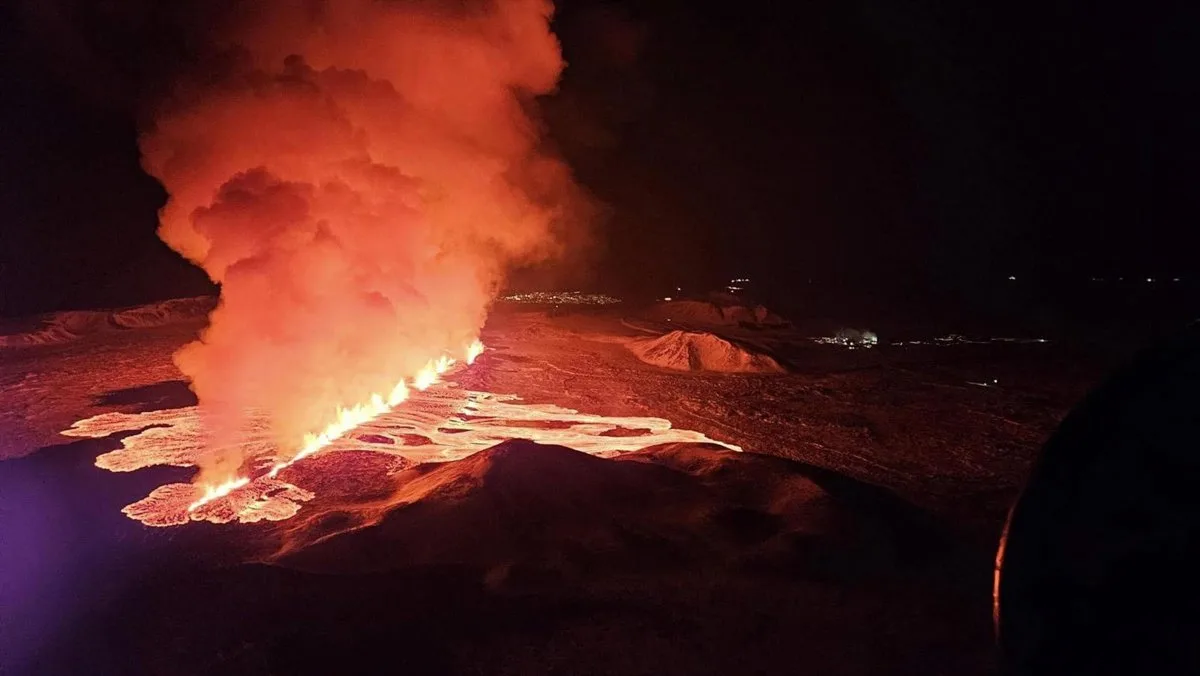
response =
{"points": [[357, 176]]}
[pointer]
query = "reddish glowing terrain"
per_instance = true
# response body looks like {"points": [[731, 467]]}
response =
{"points": [[437, 530], [441, 423]]}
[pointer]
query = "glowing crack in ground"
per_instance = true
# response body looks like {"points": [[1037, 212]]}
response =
{"points": [[444, 423]]}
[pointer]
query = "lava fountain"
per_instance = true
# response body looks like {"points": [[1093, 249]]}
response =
{"points": [[357, 177]]}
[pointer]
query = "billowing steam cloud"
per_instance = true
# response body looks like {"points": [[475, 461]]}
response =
{"points": [[357, 176]]}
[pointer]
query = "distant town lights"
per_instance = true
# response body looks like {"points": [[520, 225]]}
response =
{"points": [[561, 298]]}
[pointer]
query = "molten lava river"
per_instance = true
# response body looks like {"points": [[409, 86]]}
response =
{"points": [[433, 421]]}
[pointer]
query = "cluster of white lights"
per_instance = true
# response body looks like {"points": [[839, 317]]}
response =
{"points": [[735, 285], [561, 298], [849, 339]]}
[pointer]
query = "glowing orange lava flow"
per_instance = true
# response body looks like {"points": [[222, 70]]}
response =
{"points": [[219, 491], [347, 419]]}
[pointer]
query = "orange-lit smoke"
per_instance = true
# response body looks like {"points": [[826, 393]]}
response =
{"points": [[357, 176]]}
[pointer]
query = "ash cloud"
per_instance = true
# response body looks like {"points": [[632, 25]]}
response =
{"points": [[357, 177]]}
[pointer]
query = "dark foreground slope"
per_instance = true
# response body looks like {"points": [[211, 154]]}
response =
{"points": [[538, 559]]}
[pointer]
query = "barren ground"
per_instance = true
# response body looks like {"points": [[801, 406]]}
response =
{"points": [[863, 546]]}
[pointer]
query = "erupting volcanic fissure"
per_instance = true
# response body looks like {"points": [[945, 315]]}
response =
{"points": [[347, 420], [441, 423], [357, 177]]}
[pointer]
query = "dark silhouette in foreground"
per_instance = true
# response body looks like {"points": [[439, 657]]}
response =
{"points": [[1098, 572]]}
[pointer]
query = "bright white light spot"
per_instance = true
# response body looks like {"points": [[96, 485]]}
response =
{"points": [[1012, 278]]}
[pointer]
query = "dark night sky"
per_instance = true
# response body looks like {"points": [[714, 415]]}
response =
{"points": [[860, 142]]}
